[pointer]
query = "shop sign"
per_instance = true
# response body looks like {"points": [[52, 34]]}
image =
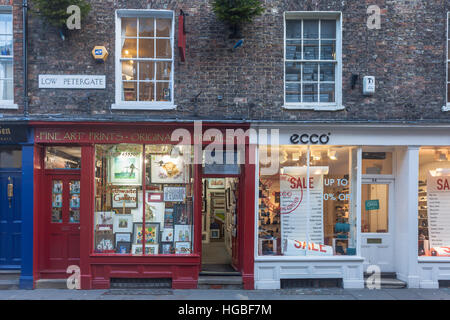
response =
{"points": [[310, 138], [53, 81], [12, 133], [372, 205]]}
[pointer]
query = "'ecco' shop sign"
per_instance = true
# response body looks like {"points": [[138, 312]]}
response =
{"points": [[51, 81], [310, 138]]}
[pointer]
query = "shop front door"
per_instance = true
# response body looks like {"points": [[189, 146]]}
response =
{"points": [[10, 219], [377, 245], [62, 240]]}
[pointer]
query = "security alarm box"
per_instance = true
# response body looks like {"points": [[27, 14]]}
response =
{"points": [[368, 85]]}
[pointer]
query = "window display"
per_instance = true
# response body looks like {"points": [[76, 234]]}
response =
{"points": [[434, 199], [143, 203], [306, 208]]}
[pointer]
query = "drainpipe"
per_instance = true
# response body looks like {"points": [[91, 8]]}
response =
{"points": [[25, 57]]}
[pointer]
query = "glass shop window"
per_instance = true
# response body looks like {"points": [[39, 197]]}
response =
{"points": [[306, 204], [377, 163], [10, 157], [62, 158], [434, 201], [143, 202]]}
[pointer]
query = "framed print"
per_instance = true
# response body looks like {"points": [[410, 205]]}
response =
{"points": [[151, 248], [136, 249], [75, 201], [104, 220], [74, 186], [168, 218], [167, 234], [182, 247], [154, 212], [165, 169], [122, 237], [57, 186], [219, 202], [182, 232], [216, 183], [125, 168], [182, 213], [104, 242], [57, 200], [174, 194], [124, 197], [154, 196], [123, 223], [123, 247], [167, 248], [219, 214], [215, 234], [151, 233]]}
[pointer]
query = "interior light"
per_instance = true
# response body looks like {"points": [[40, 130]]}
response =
{"points": [[441, 155], [127, 52], [296, 156], [439, 172], [301, 171], [332, 154]]}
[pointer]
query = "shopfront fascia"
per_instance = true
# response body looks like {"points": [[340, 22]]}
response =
{"points": [[118, 211], [320, 237]]}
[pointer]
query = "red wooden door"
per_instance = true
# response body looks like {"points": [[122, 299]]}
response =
{"points": [[62, 238]]}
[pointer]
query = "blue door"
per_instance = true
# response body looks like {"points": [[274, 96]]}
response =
{"points": [[10, 219]]}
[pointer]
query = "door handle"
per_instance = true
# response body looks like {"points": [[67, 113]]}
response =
{"points": [[10, 190]]}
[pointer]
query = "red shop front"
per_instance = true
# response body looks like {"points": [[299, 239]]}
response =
{"points": [[115, 201]]}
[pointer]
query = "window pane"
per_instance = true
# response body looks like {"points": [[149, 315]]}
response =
{"points": [[328, 29], [163, 27], [293, 50], [74, 212], [293, 92], [327, 93], [146, 48], [310, 92], [146, 27], [146, 71], [7, 88], [5, 23], [328, 50], [163, 49], [310, 72], [129, 71], [10, 157], [449, 49], [375, 208], [163, 91], [129, 48], [293, 29], [146, 91], [311, 48], [57, 201], [293, 71], [311, 29], [129, 27], [62, 158], [6, 45], [129, 91], [163, 70], [327, 72], [448, 90], [377, 163], [6, 69]]}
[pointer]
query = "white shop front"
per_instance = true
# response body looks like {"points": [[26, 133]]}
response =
{"points": [[345, 198]]}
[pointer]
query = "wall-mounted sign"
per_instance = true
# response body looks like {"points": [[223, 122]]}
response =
{"points": [[53, 81], [12, 133], [372, 205], [100, 53], [310, 138]]}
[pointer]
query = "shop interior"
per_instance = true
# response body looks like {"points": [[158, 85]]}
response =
{"points": [[219, 223]]}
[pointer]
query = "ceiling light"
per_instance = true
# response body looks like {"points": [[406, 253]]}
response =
{"points": [[332, 154]]}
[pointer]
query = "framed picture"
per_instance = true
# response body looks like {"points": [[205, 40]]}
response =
{"points": [[219, 214], [174, 194], [182, 213], [74, 186], [215, 234], [124, 198], [104, 242], [167, 248], [122, 237], [182, 232], [219, 202], [57, 200], [154, 212], [167, 235], [75, 201], [216, 183], [168, 218], [183, 247], [136, 249], [123, 223], [165, 169], [151, 233], [154, 197], [57, 186], [104, 220], [151, 248], [126, 168], [123, 247]]}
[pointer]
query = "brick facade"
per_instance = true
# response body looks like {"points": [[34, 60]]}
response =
{"points": [[407, 56]]}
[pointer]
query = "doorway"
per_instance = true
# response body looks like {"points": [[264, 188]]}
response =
{"points": [[377, 224], [220, 224]]}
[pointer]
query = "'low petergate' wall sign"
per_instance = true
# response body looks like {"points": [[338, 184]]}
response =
{"points": [[53, 81]]}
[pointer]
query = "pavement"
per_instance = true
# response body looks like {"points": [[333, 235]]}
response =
{"points": [[236, 295]]}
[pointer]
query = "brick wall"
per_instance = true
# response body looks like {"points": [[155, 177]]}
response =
{"points": [[407, 57]]}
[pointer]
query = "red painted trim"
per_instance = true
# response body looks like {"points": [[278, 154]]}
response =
{"points": [[181, 38]]}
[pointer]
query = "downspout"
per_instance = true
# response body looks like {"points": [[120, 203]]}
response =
{"points": [[25, 57]]}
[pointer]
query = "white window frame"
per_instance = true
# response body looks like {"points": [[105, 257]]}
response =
{"points": [[317, 106], [446, 107], [9, 104], [141, 105]]}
